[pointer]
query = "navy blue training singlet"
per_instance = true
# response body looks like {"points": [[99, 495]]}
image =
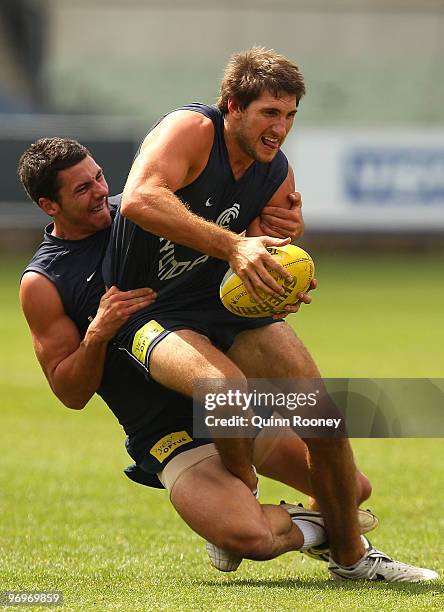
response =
{"points": [[74, 267], [185, 278]]}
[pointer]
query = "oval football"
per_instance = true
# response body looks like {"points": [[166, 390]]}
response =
{"points": [[298, 262]]}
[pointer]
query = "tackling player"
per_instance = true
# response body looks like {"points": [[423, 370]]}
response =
{"points": [[202, 176], [72, 320]]}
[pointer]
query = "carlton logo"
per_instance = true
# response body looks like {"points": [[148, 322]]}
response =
{"points": [[227, 216]]}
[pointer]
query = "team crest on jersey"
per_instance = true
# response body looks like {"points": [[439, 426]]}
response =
{"points": [[228, 215]]}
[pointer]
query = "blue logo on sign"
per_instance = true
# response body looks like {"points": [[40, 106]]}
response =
{"points": [[393, 176]]}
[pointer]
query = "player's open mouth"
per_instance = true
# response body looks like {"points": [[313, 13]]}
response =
{"points": [[98, 208], [271, 143]]}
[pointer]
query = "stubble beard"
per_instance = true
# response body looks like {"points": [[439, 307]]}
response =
{"points": [[245, 146]]}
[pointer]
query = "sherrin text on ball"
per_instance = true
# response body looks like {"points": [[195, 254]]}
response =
{"points": [[236, 299]]}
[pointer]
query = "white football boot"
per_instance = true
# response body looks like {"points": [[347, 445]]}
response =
{"points": [[367, 522], [221, 559], [225, 561], [376, 565]]}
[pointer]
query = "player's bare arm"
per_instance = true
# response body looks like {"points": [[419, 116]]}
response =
{"points": [[282, 216], [284, 209], [172, 156], [74, 367], [273, 221], [281, 222]]}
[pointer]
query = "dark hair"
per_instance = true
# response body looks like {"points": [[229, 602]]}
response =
{"points": [[40, 164], [250, 73]]}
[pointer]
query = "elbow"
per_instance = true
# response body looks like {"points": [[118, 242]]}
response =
{"points": [[131, 204], [71, 394], [140, 204], [127, 206], [73, 404], [72, 400], [69, 399]]}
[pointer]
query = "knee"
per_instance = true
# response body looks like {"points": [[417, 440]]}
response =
{"points": [[364, 487], [255, 542]]}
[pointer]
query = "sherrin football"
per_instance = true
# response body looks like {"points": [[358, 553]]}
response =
{"points": [[298, 262]]}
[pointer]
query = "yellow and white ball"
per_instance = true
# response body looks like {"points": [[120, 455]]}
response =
{"points": [[298, 262]]}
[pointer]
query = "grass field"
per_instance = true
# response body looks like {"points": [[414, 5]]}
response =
{"points": [[71, 522]]}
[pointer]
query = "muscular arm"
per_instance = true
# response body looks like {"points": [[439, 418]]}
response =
{"points": [[173, 156], [282, 215], [73, 367]]}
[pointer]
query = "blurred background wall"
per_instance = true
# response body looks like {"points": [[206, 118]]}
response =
{"points": [[368, 144]]}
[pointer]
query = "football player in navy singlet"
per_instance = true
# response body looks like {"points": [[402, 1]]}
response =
{"points": [[71, 326], [195, 159], [72, 319]]}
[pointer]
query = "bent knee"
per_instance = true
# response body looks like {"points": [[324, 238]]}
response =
{"points": [[364, 487], [254, 543]]}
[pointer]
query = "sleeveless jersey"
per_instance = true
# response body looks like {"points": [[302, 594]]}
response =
{"points": [[74, 267], [183, 277]]}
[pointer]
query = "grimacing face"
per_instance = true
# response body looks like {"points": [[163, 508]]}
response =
{"points": [[83, 199], [264, 125]]}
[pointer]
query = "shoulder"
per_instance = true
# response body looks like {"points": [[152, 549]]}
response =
{"points": [[184, 128], [174, 152], [39, 297]]}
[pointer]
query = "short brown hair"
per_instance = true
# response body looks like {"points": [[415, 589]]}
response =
{"points": [[251, 72], [41, 163]]}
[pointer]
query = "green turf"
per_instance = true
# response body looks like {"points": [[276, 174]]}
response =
{"points": [[71, 522]]}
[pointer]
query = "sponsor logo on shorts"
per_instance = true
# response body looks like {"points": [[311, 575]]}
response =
{"points": [[166, 445], [144, 337]]}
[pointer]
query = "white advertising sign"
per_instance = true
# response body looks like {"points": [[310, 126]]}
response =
{"points": [[370, 180]]}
